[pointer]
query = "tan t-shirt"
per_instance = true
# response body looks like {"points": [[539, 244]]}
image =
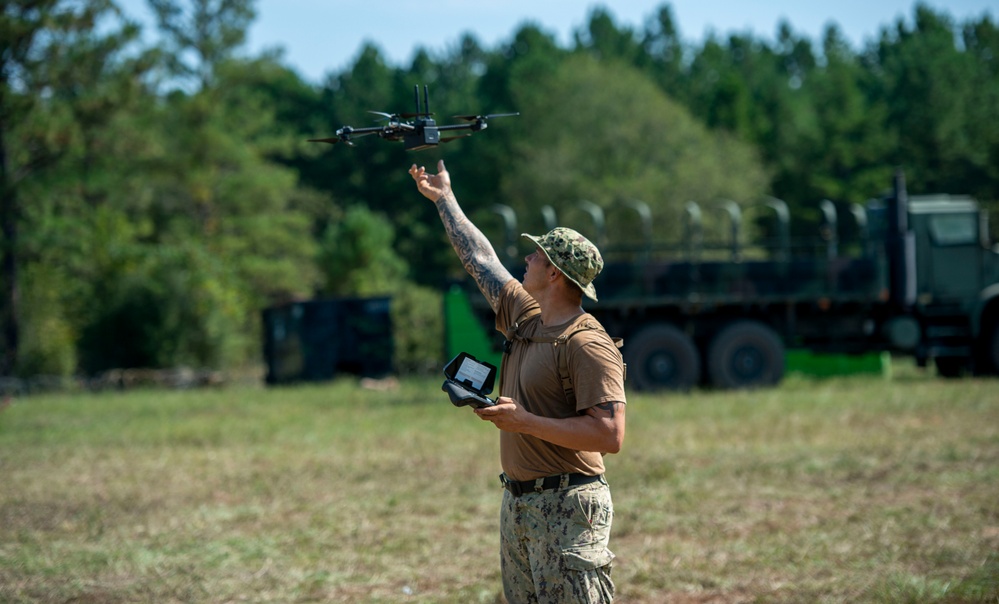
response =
{"points": [[530, 376]]}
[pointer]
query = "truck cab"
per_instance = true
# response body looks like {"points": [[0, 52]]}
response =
{"points": [[947, 282], [953, 257], [957, 274]]}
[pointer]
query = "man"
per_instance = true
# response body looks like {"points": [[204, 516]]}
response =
{"points": [[557, 511]]}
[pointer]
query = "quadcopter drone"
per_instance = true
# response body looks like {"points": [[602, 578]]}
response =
{"points": [[416, 130]]}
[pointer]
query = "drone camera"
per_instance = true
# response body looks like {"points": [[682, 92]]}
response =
{"points": [[430, 136]]}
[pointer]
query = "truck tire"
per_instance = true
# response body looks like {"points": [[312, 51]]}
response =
{"points": [[950, 367], [746, 354], [661, 357], [992, 351]]}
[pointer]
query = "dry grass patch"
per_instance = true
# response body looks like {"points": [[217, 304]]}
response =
{"points": [[856, 489]]}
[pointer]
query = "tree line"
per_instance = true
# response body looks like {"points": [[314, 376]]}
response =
{"points": [[154, 197]]}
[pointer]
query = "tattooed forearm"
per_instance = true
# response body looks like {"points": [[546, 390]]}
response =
{"points": [[474, 250]]}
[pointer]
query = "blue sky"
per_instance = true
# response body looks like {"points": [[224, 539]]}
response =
{"points": [[323, 36]]}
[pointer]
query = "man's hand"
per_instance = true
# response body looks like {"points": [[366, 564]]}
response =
{"points": [[432, 186], [506, 415]]}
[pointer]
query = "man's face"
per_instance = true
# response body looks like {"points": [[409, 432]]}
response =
{"points": [[536, 274]]}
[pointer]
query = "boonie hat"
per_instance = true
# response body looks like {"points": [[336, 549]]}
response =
{"points": [[573, 255]]}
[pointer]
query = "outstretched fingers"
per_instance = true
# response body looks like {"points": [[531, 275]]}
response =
{"points": [[432, 186]]}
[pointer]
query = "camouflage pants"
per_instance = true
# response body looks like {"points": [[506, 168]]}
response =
{"points": [[554, 545]]}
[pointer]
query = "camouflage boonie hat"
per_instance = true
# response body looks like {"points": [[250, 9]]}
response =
{"points": [[573, 255]]}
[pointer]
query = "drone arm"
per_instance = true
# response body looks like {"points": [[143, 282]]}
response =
{"points": [[360, 131]]}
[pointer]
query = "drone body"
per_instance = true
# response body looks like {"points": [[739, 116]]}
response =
{"points": [[415, 130]]}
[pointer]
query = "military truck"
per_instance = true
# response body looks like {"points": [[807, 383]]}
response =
{"points": [[918, 277]]}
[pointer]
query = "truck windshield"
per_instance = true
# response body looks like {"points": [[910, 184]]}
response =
{"points": [[953, 229]]}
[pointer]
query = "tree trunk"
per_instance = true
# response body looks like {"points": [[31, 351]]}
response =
{"points": [[9, 334]]}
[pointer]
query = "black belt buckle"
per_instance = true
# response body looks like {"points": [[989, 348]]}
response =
{"points": [[515, 488], [509, 485]]}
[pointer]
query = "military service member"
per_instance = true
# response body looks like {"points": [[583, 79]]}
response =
{"points": [[561, 407]]}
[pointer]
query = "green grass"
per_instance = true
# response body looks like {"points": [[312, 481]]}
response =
{"points": [[853, 489]]}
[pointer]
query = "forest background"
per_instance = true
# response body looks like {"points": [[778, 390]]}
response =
{"points": [[155, 198]]}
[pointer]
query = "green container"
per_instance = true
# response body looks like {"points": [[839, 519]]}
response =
{"points": [[828, 365], [464, 332]]}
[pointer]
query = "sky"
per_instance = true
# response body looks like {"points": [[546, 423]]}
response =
{"points": [[320, 37]]}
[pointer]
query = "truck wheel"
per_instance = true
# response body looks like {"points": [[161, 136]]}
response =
{"points": [[950, 367], [992, 352], [661, 357], [746, 354]]}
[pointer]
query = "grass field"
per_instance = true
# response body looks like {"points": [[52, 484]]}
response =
{"points": [[856, 489]]}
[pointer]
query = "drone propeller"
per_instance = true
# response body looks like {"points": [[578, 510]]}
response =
{"points": [[334, 140], [451, 138], [395, 118], [472, 118]]}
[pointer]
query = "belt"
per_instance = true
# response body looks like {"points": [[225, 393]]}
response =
{"points": [[521, 487]]}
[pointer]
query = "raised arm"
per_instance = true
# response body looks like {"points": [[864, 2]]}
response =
{"points": [[474, 250]]}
